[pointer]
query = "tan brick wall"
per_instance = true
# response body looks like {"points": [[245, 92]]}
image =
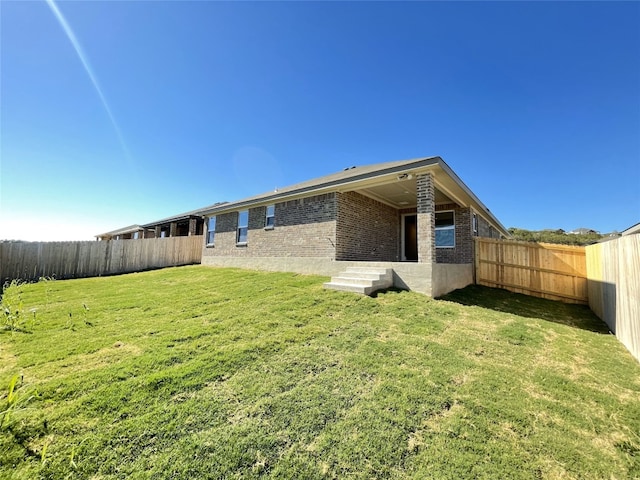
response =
{"points": [[366, 230], [426, 218], [463, 251], [303, 228], [485, 229]]}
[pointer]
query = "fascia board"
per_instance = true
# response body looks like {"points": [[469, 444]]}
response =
{"points": [[474, 200]]}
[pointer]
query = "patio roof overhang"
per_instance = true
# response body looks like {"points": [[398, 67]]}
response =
{"points": [[393, 183], [120, 231]]}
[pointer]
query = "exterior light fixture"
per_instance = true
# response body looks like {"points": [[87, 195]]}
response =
{"points": [[405, 176]]}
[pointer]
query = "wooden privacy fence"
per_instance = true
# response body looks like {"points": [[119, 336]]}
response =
{"points": [[33, 260], [613, 269], [556, 272]]}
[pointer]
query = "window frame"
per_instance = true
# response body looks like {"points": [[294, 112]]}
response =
{"points": [[446, 227], [474, 225], [211, 234], [240, 228], [270, 225]]}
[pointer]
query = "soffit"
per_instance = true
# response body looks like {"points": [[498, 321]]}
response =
{"points": [[400, 194]]}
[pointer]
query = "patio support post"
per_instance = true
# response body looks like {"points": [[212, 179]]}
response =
{"points": [[158, 231], [192, 226], [426, 218], [173, 228]]}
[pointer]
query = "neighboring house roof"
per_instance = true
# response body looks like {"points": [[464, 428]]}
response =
{"points": [[176, 218], [368, 177], [632, 230], [121, 231], [134, 228]]}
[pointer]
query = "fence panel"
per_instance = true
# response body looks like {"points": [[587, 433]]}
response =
{"points": [[556, 272], [613, 269], [30, 261]]}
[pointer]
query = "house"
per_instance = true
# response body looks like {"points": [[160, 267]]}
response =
{"points": [[182, 225], [126, 233], [414, 217], [582, 231]]}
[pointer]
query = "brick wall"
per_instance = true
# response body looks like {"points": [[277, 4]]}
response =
{"points": [[426, 219], [366, 229], [463, 251], [485, 229], [347, 226], [303, 228]]}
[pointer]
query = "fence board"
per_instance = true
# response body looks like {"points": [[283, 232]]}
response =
{"points": [[557, 272], [613, 270], [30, 261]]}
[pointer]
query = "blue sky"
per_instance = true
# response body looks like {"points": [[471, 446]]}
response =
{"points": [[536, 106]]}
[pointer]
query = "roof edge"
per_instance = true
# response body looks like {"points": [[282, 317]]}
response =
{"points": [[449, 171], [266, 198]]}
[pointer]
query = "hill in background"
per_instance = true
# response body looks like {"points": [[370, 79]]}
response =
{"points": [[580, 236]]}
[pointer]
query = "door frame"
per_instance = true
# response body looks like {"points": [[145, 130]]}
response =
{"points": [[403, 256]]}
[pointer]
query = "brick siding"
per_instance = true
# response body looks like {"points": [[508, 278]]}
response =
{"points": [[366, 230], [303, 228], [348, 226], [485, 229], [426, 219], [463, 251]]}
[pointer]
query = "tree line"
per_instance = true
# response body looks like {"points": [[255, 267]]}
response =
{"points": [[556, 236]]}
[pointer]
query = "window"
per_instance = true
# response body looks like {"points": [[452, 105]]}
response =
{"points": [[475, 225], [270, 221], [243, 227], [136, 235], [445, 230], [211, 230]]}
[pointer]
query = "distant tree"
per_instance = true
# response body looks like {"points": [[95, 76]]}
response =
{"points": [[555, 236]]}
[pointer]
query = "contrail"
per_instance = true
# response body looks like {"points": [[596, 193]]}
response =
{"points": [[76, 45]]}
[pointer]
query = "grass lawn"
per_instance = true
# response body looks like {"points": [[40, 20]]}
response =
{"points": [[197, 372]]}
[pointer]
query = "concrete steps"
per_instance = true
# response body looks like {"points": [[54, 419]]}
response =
{"points": [[364, 280]]}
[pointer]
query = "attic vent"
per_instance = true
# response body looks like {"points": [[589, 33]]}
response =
{"points": [[349, 168]]}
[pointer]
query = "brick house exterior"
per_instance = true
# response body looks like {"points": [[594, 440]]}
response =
{"points": [[416, 216]]}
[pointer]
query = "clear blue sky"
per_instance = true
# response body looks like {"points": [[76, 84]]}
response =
{"points": [[536, 106]]}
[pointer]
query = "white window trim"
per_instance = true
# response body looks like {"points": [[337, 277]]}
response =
{"points": [[267, 217], [238, 242], [452, 227], [211, 244], [474, 224]]}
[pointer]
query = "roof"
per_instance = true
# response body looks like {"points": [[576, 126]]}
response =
{"points": [[359, 177], [631, 230], [133, 228], [342, 177], [176, 218], [121, 231]]}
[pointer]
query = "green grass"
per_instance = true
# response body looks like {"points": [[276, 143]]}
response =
{"points": [[197, 372]]}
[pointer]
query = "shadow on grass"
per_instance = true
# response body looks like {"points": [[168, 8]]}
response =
{"points": [[572, 315], [387, 290], [10, 329]]}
